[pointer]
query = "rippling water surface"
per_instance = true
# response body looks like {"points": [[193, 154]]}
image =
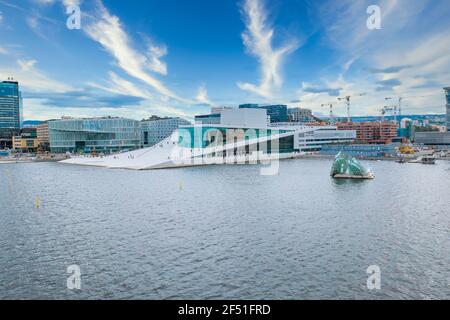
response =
{"points": [[224, 232]]}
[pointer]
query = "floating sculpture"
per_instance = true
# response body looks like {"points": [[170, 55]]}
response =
{"points": [[347, 167]]}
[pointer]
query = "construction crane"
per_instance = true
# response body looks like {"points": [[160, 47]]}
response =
{"points": [[331, 110], [387, 109], [399, 106], [347, 102], [394, 107]]}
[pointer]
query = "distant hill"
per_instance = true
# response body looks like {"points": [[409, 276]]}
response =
{"points": [[31, 123]]}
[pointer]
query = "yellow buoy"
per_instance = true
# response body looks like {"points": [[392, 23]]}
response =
{"points": [[37, 203]]}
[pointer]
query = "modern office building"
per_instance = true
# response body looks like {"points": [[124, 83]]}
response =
{"points": [[275, 113], [243, 136], [25, 144], [156, 129], [11, 112], [106, 135], [299, 115], [432, 138], [372, 132], [26, 141]]}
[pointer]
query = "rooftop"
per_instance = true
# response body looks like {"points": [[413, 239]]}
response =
{"points": [[156, 118]]}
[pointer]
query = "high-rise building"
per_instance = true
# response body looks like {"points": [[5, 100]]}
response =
{"points": [[447, 99], [156, 129], [11, 113]]}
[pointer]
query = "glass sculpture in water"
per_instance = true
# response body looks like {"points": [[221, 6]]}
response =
{"points": [[345, 166]]}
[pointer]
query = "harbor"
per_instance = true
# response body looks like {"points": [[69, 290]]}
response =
{"points": [[299, 234], [231, 158]]}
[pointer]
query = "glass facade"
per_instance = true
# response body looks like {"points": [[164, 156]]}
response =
{"points": [[213, 118], [276, 113], [107, 135], [11, 112], [206, 136], [344, 164], [299, 115], [154, 131]]}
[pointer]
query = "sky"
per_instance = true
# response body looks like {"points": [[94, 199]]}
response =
{"points": [[180, 58]]}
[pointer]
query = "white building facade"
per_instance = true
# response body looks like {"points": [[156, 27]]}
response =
{"points": [[243, 136]]}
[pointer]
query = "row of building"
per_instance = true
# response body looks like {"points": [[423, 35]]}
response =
{"points": [[280, 115], [275, 114], [114, 134], [85, 135]]}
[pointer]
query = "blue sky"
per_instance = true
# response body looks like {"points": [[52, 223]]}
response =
{"points": [[168, 57]]}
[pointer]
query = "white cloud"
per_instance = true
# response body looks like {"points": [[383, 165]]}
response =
{"points": [[31, 78], [118, 85], [33, 22], [202, 96], [26, 65], [257, 39], [345, 21], [411, 50], [45, 2], [156, 65], [138, 66], [107, 30], [43, 26], [68, 3]]}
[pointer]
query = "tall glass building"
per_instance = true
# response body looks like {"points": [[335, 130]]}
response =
{"points": [[447, 99], [11, 112], [107, 135]]}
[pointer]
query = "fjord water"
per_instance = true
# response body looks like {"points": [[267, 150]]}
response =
{"points": [[224, 232]]}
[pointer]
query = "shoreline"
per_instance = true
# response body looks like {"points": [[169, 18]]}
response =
{"points": [[305, 157]]}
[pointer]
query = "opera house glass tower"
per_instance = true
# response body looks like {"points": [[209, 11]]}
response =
{"points": [[10, 110]]}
